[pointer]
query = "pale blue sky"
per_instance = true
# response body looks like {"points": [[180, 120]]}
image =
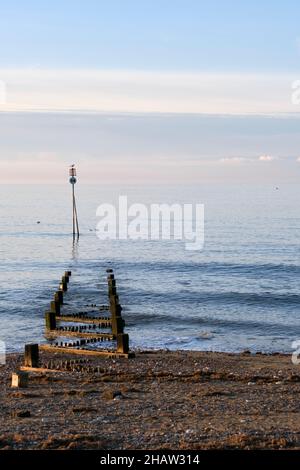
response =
{"points": [[223, 36], [166, 91]]}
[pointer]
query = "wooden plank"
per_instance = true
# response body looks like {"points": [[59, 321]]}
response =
{"points": [[79, 334], [86, 352], [40, 369], [83, 320]]}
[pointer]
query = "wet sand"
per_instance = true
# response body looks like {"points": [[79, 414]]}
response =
{"points": [[159, 400]]}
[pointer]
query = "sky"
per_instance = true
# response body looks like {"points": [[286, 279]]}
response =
{"points": [[150, 91]]}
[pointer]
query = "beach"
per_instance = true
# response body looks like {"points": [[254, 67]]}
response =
{"points": [[157, 400]]}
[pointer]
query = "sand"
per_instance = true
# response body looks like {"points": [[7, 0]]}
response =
{"points": [[159, 400]]}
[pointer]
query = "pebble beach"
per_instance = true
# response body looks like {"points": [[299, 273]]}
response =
{"points": [[157, 400]]}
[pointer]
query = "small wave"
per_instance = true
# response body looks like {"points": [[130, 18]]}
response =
{"points": [[196, 321], [266, 298], [209, 267], [205, 335]]}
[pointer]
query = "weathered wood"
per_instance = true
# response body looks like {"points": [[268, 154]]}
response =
{"points": [[59, 297], [65, 279], [63, 286], [86, 352], [117, 325], [115, 307], [19, 379], [31, 356], [123, 343], [83, 320], [39, 369], [80, 334], [50, 320], [113, 298], [77, 346], [110, 280], [112, 290], [55, 307]]}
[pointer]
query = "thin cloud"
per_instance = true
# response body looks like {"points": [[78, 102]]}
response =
{"points": [[234, 160], [237, 160], [266, 158], [134, 91]]}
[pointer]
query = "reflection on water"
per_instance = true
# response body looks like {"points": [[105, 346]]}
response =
{"points": [[75, 244]]}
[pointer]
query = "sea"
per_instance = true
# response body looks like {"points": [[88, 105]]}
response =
{"points": [[241, 291]]}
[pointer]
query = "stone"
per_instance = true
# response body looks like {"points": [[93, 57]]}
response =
{"points": [[112, 394], [21, 414]]}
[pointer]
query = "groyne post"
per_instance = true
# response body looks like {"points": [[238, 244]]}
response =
{"points": [[50, 320], [31, 356], [55, 307], [123, 343], [59, 297]]}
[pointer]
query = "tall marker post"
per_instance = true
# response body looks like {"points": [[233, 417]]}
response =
{"points": [[73, 180]]}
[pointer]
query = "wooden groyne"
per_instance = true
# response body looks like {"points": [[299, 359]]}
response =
{"points": [[81, 333]]}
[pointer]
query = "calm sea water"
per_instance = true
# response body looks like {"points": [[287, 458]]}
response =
{"points": [[241, 292]]}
